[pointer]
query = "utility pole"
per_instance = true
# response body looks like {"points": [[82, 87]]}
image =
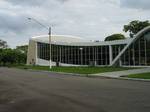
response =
{"points": [[49, 34]]}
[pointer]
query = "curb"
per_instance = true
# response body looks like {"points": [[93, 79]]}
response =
{"points": [[93, 76], [123, 78], [64, 73], [135, 79]]}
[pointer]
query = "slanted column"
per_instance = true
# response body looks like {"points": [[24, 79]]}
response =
{"points": [[110, 54]]}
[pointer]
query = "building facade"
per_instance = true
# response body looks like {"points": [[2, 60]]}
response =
{"points": [[74, 51]]}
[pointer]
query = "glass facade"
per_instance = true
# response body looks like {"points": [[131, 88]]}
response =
{"points": [[77, 55], [138, 53], [116, 50]]}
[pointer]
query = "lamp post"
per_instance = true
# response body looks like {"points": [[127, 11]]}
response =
{"points": [[50, 48], [49, 35], [81, 49]]}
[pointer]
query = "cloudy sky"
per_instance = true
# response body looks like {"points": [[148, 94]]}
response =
{"points": [[90, 19]]}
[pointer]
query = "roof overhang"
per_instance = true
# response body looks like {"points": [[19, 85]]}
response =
{"points": [[76, 41]]}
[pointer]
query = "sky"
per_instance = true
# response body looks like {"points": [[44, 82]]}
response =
{"points": [[89, 19]]}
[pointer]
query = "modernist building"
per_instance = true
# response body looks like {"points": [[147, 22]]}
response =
{"points": [[73, 51]]}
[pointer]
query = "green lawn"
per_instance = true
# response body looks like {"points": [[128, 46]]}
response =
{"points": [[77, 70], [140, 76]]}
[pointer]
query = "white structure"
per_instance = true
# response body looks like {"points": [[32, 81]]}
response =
{"points": [[75, 51]]}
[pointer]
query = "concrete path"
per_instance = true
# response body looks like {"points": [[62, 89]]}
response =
{"points": [[117, 74]]}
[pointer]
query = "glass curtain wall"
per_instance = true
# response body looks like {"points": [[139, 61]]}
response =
{"points": [[116, 49], [77, 55], [138, 53]]}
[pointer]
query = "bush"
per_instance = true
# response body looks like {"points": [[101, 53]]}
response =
{"points": [[115, 37], [12, 56]]}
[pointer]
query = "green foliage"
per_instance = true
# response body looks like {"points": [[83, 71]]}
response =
{"points": [[11, 56], [140, 76], [135, 26], [115, 37], [3, 44], [23, 48]]}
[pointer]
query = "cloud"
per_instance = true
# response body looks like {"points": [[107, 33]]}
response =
{"points": [[12, 22], [25, 2], [34, 3], [90, 19], [137, 4]]}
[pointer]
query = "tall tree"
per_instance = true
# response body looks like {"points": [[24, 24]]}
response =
{"points": [[135, 26], [115, 37], [12, 56], [3, 44], [22, 48]]}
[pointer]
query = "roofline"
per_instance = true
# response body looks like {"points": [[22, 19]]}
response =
{"points": [[82, 43], [58, 35]]}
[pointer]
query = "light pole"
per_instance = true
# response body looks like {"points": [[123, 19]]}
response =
{"points": [[81, 49], [49, 34]]}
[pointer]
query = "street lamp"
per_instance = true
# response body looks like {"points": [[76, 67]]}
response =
{"points": [[49, 34], [81, 49]]}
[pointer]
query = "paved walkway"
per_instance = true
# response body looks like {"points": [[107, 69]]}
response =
{"points": [[123, 73]]}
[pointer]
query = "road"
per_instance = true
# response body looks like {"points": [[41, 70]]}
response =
{"points": [[32, 91]]}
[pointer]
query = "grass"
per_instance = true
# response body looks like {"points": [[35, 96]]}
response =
{"points": [[140, 76], [77, 70]]}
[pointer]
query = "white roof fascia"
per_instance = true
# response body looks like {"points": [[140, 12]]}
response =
{"points": [[82, 43]]}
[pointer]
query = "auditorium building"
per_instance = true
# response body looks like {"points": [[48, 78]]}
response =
{"points": [[75, 51]]}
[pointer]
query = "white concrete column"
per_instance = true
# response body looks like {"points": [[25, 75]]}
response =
{"points": [[110, 54], [95, 56], [59, 54], [36, 53]]}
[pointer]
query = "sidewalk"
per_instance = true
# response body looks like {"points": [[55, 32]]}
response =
{"points": [[117, 74]]}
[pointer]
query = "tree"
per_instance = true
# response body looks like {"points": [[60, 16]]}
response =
{"points": [[7, 56], [22, 48], [20, 57], [115, 37], [22, 52], [135, 26], [12, 56], [3, 44]]}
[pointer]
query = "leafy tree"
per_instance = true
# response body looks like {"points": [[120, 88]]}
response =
{"points": [[115, 37], [20, 57], [12, 56], [3, 44], [7, 56], [135, 26], [23, 48], [22, 52], [1, 50]]}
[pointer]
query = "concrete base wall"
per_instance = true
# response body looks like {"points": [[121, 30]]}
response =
{"points": [[31, 55], [43, 62]]}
